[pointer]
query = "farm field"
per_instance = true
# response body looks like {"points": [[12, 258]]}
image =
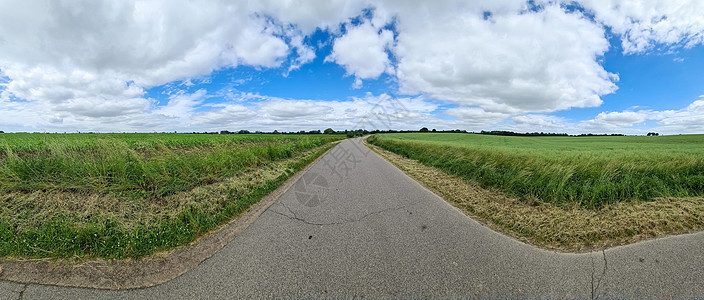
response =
{"points": [[129, 195], [585, 171], [572, 194]]}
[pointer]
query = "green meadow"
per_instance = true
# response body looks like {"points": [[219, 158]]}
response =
{"points": [[589, 172], [129, 195]]}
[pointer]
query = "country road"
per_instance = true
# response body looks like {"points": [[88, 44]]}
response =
{"points": [[354, 226]]}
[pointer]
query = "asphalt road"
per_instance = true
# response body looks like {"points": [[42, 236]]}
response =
{"points": [[355, 226]]}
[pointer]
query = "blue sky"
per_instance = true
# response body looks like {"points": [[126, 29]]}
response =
{"points": [[593, 66]]}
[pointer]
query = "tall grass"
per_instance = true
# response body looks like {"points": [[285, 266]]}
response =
{"points": [[587, 171], [147, 165], [129, 195]]}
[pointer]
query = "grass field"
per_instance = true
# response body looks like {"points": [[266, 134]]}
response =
{"points": [[589, 172], [128, 195]]}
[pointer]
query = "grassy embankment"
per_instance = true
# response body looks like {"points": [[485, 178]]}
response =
{"points": [[564, 193], [129, 195]]}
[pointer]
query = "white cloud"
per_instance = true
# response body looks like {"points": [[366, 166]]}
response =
{"points": [[229, 116], [626, 118], [311, 14], [643, 24], [535, 122], [65, 53], [613, 122], [99, 108], [88, 63], [362, 51], [285, 110], [687, 120], [476, 117], [305, 53], [182, 104], [531, 62]]}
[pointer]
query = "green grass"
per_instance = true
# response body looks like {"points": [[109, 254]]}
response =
{"points": [[129, 195], [585, 171], [147, 165]]}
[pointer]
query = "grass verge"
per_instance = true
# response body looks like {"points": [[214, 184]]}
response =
{"points": [[565, 228], [96, 224]]}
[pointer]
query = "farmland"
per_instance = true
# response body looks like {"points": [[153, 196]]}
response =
{"points": [[585, 171], [129, 195]]}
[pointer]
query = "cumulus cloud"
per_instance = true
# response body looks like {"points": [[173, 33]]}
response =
{"points": [[539, 121], [643, 25], [182, 104], [224, 117], [362, 51], [62, 53], [686, 120], [476, 117], [285, 110], [498, 63], [531, 62], [310, 15], [620, 119]]}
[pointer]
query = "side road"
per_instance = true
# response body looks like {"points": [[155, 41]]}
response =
{"points": [[355, 226]]}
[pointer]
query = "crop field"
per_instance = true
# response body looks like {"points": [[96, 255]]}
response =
{"points": [[129, 195], [588, 172]]}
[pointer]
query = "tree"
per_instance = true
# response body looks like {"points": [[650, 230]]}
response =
{"points": [[434, 130], [329, 131], [424, 129], [275, 131]]}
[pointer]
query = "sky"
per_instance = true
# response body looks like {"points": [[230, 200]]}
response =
{"points": [[587, 66]]}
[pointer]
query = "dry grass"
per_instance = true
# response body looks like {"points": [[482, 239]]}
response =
{"points": [[565, 229]]}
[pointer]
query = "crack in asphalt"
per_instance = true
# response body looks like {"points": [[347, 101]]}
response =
{"points": [[293, 215], [603, 274], [24, 288]]}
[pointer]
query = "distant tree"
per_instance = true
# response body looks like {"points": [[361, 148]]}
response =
{"points": [[424, 129], [314, 132], [349, 134], [653, 134], [2, 131], [243, 131], [329, 131], [275, 131], [434, 130]]}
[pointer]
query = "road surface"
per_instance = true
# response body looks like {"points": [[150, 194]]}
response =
{"points": [[355, 226]]}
